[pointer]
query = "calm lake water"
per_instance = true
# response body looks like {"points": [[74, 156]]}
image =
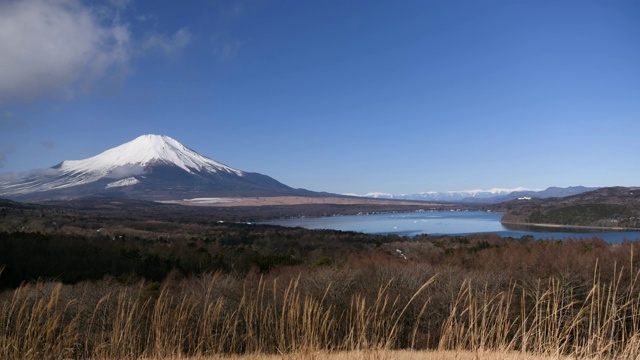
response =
{"points": [[440, 223]]}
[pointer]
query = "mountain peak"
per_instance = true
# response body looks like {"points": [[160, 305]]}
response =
{"points": [[147, 167], [146, 150]]}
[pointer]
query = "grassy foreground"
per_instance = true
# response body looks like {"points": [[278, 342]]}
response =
{"points": [[322, 314], [392, 355]]}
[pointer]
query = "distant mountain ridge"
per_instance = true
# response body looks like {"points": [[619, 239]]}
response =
{"points": [[610, 207], [491, 196], [150, 167]]}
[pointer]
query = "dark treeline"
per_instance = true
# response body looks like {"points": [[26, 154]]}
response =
{"points": [[242, 248], [231, 248]]}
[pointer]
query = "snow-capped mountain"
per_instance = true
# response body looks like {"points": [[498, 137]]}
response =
{"points": [[491, 196], [146, 150], [149, 167], [445, 195]]}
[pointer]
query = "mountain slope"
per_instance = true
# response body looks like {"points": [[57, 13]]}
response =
{"points": [[151, 167], [491, 196], [146, 150], [611, 207], [551, 192]]}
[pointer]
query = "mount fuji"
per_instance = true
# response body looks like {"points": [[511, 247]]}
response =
{"points": [[150, 167]]}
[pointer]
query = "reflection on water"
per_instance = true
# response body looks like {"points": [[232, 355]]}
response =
{"points": [[443, 223]]}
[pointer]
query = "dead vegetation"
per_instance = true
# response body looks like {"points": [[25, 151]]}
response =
{"points": [[246, 291], [363, 307]]}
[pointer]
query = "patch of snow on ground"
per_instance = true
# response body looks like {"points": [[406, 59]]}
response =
{"points": [[214, 200]]}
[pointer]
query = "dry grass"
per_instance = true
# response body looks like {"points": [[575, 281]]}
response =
{"points": [[211, 318], [551, 319], [36, 322], [391, 355]]}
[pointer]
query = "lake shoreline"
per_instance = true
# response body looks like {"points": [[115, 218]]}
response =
{"points": [[568, 227], [453, 223]]}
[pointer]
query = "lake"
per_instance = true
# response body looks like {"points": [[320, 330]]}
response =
{"points": [[441, 223]]}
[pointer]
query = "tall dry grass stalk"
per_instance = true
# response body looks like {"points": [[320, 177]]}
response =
{"points": [[134, 322], [212, 316], [554, 319]]}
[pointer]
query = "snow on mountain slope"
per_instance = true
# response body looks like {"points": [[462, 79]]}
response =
{"points": [[120, 166], [375, 195], [145, 150], [494, 195], [490, 192], [447, 195]]}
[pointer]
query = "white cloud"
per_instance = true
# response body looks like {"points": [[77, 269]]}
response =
{"points": [[57, 48], [10, 177], [43, 172], [52, 47], [168, 44], [224, 49], [120, 4], [126, 171]]}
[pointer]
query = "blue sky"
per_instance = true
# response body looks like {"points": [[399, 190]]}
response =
{"points": [[339, 96]]}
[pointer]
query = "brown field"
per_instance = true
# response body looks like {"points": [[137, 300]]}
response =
{"points": [[293, 200]]}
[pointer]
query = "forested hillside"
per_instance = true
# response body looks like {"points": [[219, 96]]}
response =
{"points": [[614, 207]]}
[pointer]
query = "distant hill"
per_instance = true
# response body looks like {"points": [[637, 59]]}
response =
{"points": [[491, 196], [611, 207]]}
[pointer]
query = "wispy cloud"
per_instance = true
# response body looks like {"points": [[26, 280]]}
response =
{"points": [[227, 51], [119, 4], [168, 44], [226, 45], [56, 48], [49, 48], [16, 176], [43, 172], [126, 171]]}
